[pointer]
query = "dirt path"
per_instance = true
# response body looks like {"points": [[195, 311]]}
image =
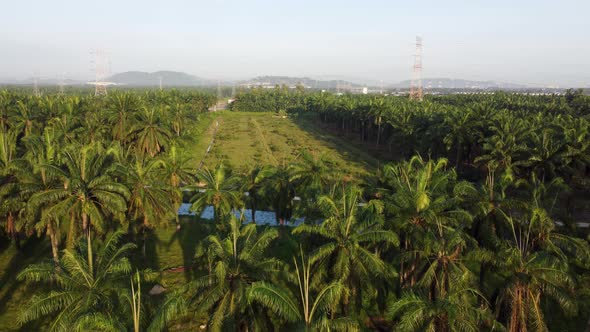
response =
{"points": [[215, 129]]}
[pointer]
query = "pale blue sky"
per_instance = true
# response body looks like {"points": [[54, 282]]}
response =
{"points": [[537, 42]]}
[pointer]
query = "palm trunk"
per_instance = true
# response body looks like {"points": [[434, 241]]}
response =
{"points": [[70, 241], [490, 183], [253, 211], [11, 230], [17, 241], [86, 229], [144, 231], [378, 132], [136, 303], [90, 259], [517, 315], [458, 157], [53, 240]]}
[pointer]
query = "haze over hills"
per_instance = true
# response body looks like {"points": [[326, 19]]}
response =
{"points": [[169, 78], [293, 81], [181, 79]]}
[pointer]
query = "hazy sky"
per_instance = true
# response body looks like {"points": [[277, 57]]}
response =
{"points": [[535, 42]]}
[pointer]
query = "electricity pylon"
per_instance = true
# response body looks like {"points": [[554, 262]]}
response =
{"points": [[416, 91]]}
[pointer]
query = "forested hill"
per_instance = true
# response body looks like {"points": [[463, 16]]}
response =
{"points": [[169, 78], [293, 81]]}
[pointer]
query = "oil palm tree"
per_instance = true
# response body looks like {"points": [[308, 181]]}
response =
{"points": [[457, 310], [11, 202], [531, 271], [533, 260], [314, 306], [147, 134], [178, 117], [151, 200], [351, 233], [85, 290], [219, 189], [177, 168], [505, 148], [36, 173], [149, 197], [235, 262], [253, 184], [379, 107], [93, 129], [545, 155], [282, 191], [460, 132], [312, 174], [88, 190], [425, 196], [6, 100], [12, 206], [123, 107], [23, 120], [177, 172]]}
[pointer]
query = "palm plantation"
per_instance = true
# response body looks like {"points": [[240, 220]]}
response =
{"points": [[472, 218]]}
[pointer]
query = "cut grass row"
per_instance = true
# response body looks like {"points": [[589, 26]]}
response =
{"points": [[245, 139]]}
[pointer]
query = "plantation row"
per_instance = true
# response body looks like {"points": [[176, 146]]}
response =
{"points": [[69, 164], [484, 136], [417, 245]]}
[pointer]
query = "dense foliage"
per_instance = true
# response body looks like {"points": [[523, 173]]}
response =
{"points": [[477, 223]]}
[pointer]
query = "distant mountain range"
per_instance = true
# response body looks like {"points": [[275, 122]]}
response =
{"points": [[168, 78], [181, 79], [271, 81], [172, 78]]}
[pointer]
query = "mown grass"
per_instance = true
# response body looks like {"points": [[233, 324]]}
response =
{"points": [[245, 139], [195, 143]]}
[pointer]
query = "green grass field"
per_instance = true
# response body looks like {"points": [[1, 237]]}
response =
{"points": [[245, 139]]}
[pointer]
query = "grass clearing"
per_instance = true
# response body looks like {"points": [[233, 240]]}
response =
{"points": [[199, 137], [245, 139]]}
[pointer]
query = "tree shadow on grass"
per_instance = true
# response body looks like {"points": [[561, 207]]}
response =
{"points": [[350, 151], [192, 232], [33, 251]]}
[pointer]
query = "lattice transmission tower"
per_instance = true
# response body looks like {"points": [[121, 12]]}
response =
{"points": [[36, 85], [101, 70], [416, 90], [61, 84]]}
